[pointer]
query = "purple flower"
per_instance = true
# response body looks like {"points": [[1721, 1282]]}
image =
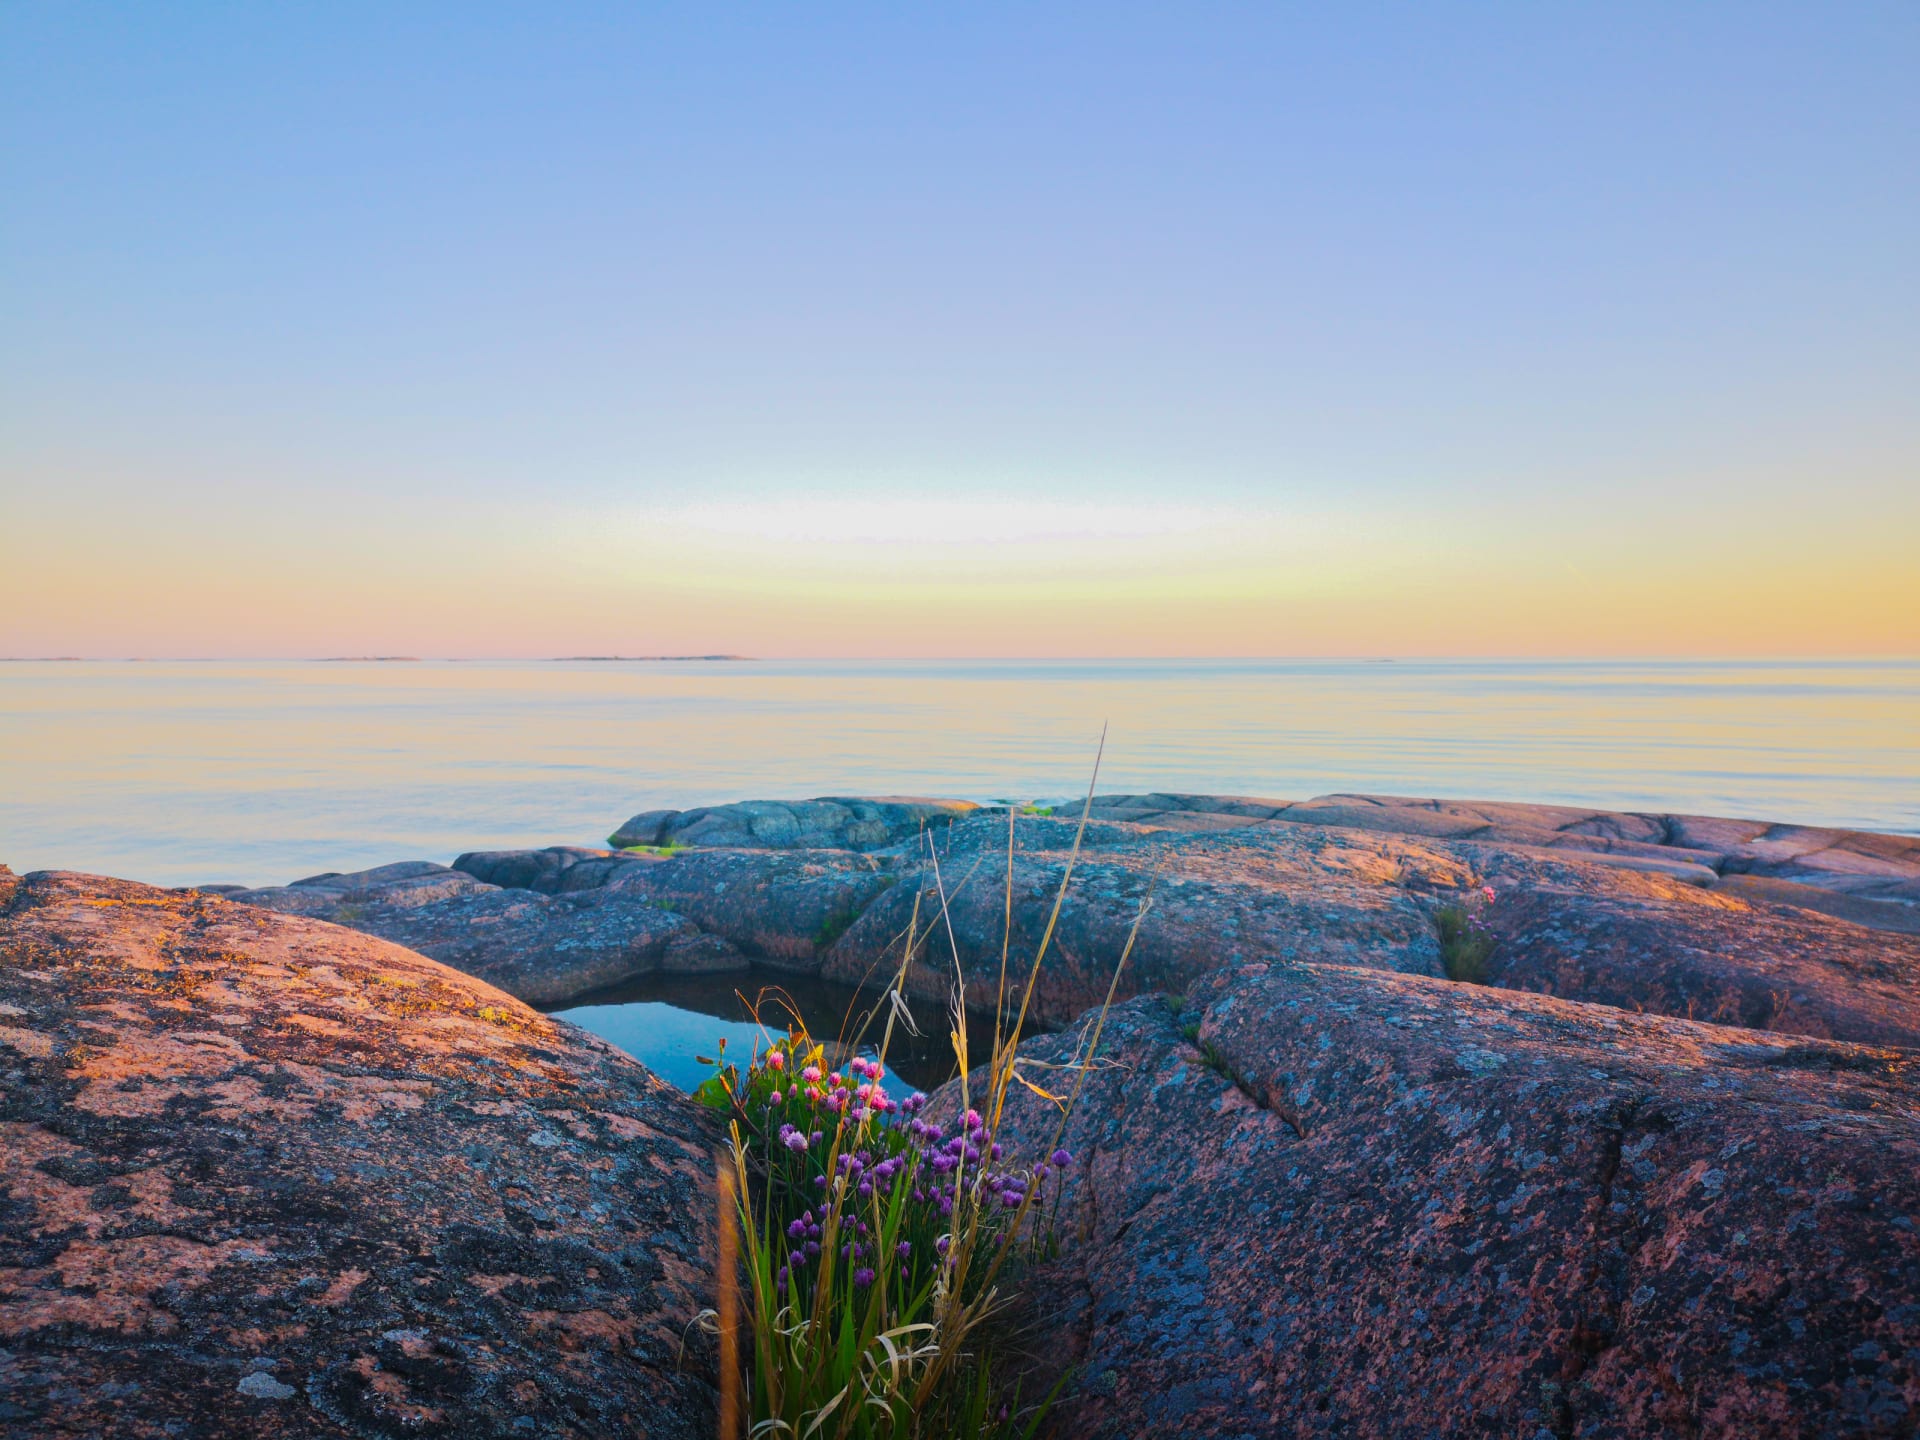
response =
{"points": [[942, 1243], [797, 1230], [863, 1277], [903, 1249], [1062, 1159], [796, 1259], [1010, 1199]]}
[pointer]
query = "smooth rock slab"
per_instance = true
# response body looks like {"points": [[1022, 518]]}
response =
{"points": [[261, 1176], [1853, 862], [1323, 1201], [1645, 942], [544, 948]]}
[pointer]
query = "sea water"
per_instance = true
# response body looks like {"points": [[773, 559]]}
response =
{"points": [[256, 772]]}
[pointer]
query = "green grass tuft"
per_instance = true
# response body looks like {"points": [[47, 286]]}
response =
{"points": [[1465, 947], [894, 1339], [666, 851]]}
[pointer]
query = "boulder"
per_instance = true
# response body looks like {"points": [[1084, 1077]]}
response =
{"points": [[265, 1177], [552, 871], [545, 949], [1330, 1201], [1218, 898], [829, 823], [780, 907]]}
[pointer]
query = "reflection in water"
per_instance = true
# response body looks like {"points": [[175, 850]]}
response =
{"points": [[664, 1021]]}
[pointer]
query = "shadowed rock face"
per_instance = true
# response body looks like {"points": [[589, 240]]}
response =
{"points": [[261, 1176], [1357, 899], [1325, 1201]]}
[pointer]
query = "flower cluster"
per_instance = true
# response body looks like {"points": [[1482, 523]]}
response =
{"points": [[1467, 937], [861, 1181]]}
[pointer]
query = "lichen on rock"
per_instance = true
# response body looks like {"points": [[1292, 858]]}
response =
{"points": [[262, 1176]]}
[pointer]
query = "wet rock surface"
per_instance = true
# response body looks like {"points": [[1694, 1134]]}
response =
{"points": [[1326, 1201], [262, 1176]]}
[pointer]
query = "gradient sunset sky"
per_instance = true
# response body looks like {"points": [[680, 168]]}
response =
{"points": [[964, 330]]}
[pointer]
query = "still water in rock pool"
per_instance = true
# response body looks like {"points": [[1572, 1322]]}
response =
{"points": [[667, 1021]]}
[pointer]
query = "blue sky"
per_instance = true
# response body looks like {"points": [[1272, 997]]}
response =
{"points": [[1216, 329]]}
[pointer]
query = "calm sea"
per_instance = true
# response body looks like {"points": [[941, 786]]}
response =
{"points": [[184, 771]]}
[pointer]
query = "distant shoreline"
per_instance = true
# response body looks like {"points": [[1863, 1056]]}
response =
{"points": [[649, 659], [348, 659]]}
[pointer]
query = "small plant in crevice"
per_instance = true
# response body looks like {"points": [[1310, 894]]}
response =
{"points": [[663, 852], [1466, 936], [871, 1236], [879, 1245]]}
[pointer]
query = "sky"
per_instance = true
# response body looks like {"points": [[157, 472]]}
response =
{"points": [[1024, 330]]}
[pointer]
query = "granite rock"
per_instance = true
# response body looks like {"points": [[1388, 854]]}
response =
{"points": [[1645, 942], [1625, 909], [264, 1177], [829, 823], [1853, 862], [1330, 1201], [540, 947]]}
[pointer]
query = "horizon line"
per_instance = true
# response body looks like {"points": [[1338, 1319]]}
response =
{"points": [[1846, 657]]}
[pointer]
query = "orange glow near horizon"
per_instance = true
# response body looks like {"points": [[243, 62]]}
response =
{"points": [[932, 580]]}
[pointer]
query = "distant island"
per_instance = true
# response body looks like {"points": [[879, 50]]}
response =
{"points": [[651, 659], [369, 659]]}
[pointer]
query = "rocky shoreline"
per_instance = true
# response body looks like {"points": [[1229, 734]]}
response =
{"points": [[1660, 1175], [1787, 928]]}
